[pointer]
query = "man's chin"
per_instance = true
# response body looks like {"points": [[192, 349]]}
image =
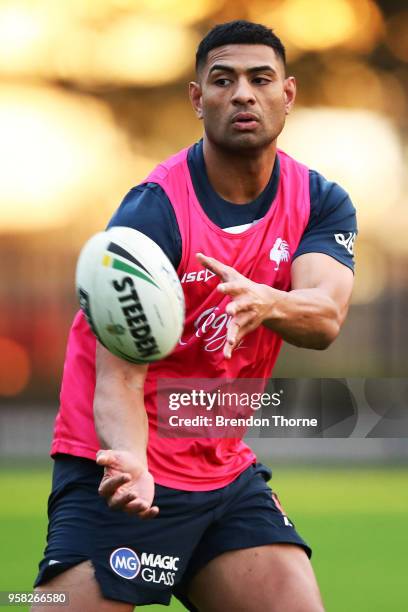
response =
{"points": [[246, 142]]}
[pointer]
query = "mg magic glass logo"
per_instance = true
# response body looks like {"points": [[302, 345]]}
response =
{"points": [[125, 562]]}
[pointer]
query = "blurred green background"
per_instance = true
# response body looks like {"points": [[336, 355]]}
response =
{"points": [[92, 95], [355, 520]]}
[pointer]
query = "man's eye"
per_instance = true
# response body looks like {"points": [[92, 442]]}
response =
{"points": [[222, 82], [261, 80]]}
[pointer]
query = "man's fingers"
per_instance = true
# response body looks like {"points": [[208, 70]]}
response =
{"points": [[233, 288], [237, 328], [140, 507], [220, 269], [106, 458], [148, 514], [129, 501], [245, 318], [109, 485], [120, 501], [232, 331], [239, 305], [231, 340]]}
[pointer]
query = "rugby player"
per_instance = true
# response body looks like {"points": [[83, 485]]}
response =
{"points": [[263, 247]]}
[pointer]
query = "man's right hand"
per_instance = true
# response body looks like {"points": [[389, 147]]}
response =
{"points": [[127, 484]]}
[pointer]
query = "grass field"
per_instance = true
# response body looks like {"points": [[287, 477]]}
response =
{"points": [[355, 519]]}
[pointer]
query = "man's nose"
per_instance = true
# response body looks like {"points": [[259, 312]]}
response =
{"points": [[243, 93]]}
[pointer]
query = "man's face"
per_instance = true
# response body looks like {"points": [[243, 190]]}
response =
{"points": [[243, 96]]}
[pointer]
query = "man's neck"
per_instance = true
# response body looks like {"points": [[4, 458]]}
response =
{"points": [[238, 178]]}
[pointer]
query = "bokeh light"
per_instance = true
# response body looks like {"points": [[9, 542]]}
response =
{"points": [[177, 11], [15, 367], [321, 24], [28, 37], [318, 24], [361, 149], [144, 51], [104, 42], [56, 153], [99, 11], [22, 32]]}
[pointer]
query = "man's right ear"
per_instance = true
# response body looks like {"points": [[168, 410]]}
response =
{"points": [[194, 90]]}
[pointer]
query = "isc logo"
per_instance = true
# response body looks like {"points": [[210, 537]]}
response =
{"points": [[125, 562]]}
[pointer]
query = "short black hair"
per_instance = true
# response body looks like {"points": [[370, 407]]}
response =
{"points": [[238, 32]]}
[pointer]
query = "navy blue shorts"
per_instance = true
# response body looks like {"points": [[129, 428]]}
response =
{"points": [[145, 562]]}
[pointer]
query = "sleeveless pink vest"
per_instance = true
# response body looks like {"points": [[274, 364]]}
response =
{"points": [[262, 253]]}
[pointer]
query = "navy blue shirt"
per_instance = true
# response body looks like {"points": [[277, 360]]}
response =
{"points": [[331, 228]]}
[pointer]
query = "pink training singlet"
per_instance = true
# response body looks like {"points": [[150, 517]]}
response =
{"points": [[262, 253]]}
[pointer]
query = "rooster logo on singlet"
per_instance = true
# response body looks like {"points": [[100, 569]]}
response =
{"points": [[279, 252]]}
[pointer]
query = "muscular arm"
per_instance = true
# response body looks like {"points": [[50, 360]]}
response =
{"points": [[120, 415], [311, 314], [122, 426]]}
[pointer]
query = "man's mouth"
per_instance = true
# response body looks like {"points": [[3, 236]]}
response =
{"points": [[245, 121]]}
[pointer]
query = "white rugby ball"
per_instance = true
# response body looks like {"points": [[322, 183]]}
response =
{"points": [[130, 294]]}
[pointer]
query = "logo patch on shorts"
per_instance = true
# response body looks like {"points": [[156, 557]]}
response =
{"points": [[125, 563]]}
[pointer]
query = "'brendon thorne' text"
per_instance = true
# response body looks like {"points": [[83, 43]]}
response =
{"points": [[251, 421]]}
